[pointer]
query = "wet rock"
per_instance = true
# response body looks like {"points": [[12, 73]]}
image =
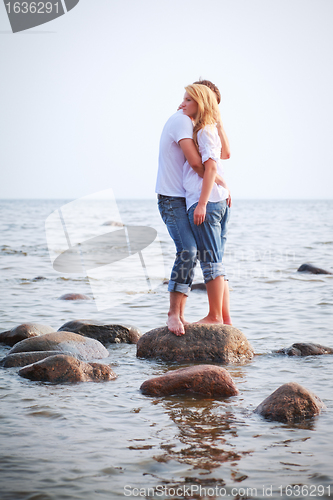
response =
{"points": [[309, 268], [62, 368], [205, 380], [24, 331], [203, 343], [199, 286], [27, 358], [290, 403], [77, 345], [106, 334], [304, 349], [74, 296]]}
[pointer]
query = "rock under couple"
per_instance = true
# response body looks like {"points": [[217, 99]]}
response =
{"points": [[194, 201]]}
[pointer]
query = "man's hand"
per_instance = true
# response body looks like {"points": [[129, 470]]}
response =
{"points": [[199, 214]]}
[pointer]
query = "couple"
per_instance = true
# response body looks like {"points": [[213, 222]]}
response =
{"points": [[194, 201]]}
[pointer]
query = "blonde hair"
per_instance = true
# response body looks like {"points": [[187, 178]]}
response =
{"points": [[208, 111]]}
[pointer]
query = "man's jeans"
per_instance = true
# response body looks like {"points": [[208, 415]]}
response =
{"points": [[211, 237], [173, 213]]}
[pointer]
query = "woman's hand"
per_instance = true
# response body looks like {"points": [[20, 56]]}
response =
{"points": [[199, 214]]}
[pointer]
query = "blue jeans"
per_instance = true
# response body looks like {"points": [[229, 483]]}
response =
{"points": [[174, 215], [211, 238]]}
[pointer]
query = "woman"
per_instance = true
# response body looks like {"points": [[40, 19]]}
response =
{"points": [[207, 203]]}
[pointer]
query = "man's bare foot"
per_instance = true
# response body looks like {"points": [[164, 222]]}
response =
{"points": [[211, 320], [175, 325], [183, 320]]}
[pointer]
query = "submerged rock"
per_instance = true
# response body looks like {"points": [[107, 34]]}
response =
{"points": [[106, 334], [205, 380], [24, 331], [309, 268], [74, 296], [62, 368], [290, 403], [201, 342], [305, 349], [27, 358], [63, 341]]}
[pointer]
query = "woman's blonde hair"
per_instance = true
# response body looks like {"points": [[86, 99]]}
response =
{"points": [[208, 111]]}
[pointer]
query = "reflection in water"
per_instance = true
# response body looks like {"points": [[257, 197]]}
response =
{"points": [[205, 433]]}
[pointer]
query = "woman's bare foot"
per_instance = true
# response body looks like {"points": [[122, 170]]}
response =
{"points": [[183, 320], [227, 321], [175, 325], [211, 320]]}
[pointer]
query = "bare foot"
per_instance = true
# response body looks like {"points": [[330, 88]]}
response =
{"points": [[211, 320], [183, 320], [227, 321], [175, 325]]}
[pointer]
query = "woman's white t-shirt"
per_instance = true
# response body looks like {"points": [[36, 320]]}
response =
{"points": [[209, 147]]}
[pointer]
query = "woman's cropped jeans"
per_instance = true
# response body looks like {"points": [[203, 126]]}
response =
{"points": [[174, 215], [211, 237]]}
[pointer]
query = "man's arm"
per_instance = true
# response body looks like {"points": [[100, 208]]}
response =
{"points": [[192, 156]]}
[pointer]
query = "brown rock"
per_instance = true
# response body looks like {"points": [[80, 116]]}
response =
{"points": [[74, 296], [205, 380], [106, 334], [303, 349], [203, 343], [24, 331], [77, 345], [290, 403], [27, 358], [61, 368], [309, 268]]}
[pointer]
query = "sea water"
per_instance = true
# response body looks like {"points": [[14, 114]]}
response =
{"points": [[107, 441]]}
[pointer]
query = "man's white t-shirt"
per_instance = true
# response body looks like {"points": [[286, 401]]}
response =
{"points": [[209, 147], [171, 157]]}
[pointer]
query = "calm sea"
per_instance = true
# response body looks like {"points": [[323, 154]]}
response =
{"points": [[104, 441]]}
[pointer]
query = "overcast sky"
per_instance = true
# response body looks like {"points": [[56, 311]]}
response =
{"points": [[84, 98]]}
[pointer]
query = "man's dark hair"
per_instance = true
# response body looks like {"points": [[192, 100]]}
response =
{"points": [[212, 87]]}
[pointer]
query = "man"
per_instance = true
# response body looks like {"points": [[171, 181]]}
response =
{"points": [[176, 146]]}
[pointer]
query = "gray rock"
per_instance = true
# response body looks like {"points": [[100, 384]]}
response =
{"points": [[27, 358], [205, 380], [106, 334], [201, 343], [309, 268], [290, 403], [61, 368], [305, 349], [74, 296], [77, 345], [24, 331]]}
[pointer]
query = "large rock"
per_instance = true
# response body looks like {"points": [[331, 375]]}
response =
{"points": [[309, 268], [27, 358], [205, 380], [63, 341], [61, 368], [24, 331], [201, 342], [290, 403], [107, 334], [303, 349]]}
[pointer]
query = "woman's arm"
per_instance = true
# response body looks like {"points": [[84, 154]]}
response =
{"points": [[225, 152], [207, 186]]}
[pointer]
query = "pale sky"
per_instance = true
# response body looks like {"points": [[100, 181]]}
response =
{"points": [[84, 98]]}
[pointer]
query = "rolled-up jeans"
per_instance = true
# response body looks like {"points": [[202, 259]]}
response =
{"points": [[211, 238], [174, 215]]}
